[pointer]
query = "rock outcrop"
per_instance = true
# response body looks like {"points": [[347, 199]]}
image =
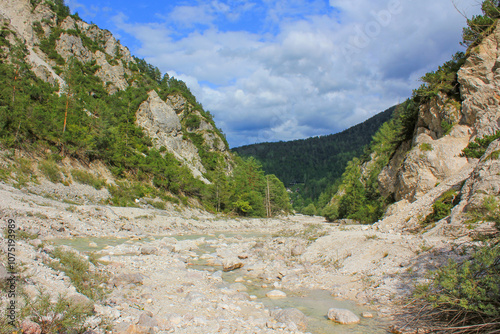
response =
{"points": [[417, 177], [161, 123]]}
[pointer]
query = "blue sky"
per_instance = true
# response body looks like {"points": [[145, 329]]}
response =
{"points": [[271, 70]]}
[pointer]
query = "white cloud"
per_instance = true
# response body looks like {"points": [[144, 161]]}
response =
{"points": [[317, 74]]}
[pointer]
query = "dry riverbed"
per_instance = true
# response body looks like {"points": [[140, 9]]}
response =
{"points": [[188, 271]]}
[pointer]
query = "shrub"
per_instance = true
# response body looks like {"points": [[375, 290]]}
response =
{"points": [[60, 317], [464, 297], [193, 121], [477, 148], [442, 207]]}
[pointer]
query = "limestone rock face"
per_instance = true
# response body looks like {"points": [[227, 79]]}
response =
{"points": [[479, 81], [160, 121], [484, 181], [434, 155], [21, 16], [433, 165], [69, 46]]}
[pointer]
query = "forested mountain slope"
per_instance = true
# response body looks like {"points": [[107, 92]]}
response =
{"points": [[314, 163], [71, 94]]}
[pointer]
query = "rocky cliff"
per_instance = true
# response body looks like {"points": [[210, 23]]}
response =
{"points": [[52, 41], [435, 164]]}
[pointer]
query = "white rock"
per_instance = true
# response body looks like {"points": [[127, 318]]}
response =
{"points": [[343, 316], [276, 294]]}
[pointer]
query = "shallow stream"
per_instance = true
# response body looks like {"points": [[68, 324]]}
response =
{"points": [[313, 303]]}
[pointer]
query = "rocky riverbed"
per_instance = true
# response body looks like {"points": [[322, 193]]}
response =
{"points": [[188, 271]]}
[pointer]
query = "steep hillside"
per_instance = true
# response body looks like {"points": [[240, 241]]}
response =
{"points": [[72, 95], [316, 162]]}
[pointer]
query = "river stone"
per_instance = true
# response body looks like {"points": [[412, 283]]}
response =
{"points": [[342, 316], [148, 250], [82, 301], [30, 327], [146, 320], [231, 264], [105, 258], [129, 279], [367, 315], [276, 294], [136, 329], [290, 315], [297, 250]]}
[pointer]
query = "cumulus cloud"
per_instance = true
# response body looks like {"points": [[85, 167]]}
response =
{"points": [[280, 70]]}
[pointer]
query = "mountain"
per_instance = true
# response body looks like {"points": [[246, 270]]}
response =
{"points": [[316, 162], [72, 97]]}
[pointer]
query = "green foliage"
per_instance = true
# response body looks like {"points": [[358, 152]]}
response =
{"points": [[62, 11], [444, 80], [192, 121], [48, 46], [360, 197], [446, 126], [464, 296], [87, 281], [442, 207], [60, 317], [480, 25], [85, 177], [50, 170], [477, 148], [310, 210], [426, 147], [489, 211]]}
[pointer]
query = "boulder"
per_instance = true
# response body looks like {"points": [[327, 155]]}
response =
{"points": [[342, 316], [146, 320], [297, 250]]}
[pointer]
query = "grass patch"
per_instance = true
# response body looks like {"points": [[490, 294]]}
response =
{"points": [[50, 170], [85, 280], [425, 147], [157, 204], [90, 179]]}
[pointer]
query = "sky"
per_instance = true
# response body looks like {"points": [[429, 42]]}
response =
{"points": [[279, 70]]}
